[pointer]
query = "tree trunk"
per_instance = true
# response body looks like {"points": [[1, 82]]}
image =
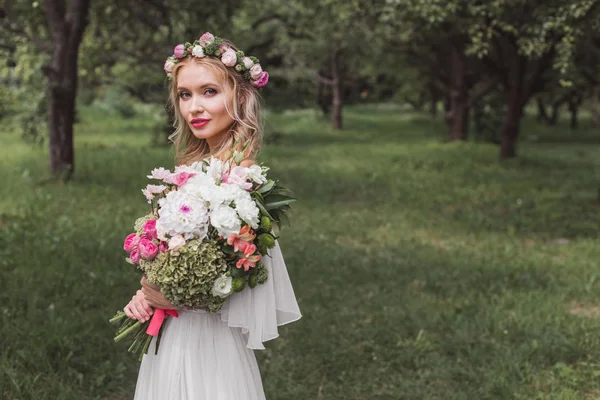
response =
{"points": [[459, 97], [66, 27], [336, 100], [433, 101], [574, 103], [542, 113], [510, 128], [595, 107]]}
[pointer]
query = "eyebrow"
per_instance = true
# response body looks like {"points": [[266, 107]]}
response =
{"points": [[204, 85]]}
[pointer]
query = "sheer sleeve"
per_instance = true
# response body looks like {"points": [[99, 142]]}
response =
{"points": [[259, 311]]}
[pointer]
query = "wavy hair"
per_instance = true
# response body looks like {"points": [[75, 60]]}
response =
{"points": [[243, 106]]}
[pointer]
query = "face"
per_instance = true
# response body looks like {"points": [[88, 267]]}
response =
{"points": [[202, 102]]}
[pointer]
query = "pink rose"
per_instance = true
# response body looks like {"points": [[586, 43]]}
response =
{"points": [[135, 257], [179, 178], [229, 58], [148, 250], [238, 176], [163, 246], [262, 80], [256, 71], [131, 242], [178, 52], [150, 228], [176, 242], [206, 39]]}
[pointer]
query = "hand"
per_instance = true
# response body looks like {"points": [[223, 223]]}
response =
{"points": [[138, 308], [154, 297]]}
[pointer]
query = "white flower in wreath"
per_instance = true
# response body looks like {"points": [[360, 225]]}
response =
{"points": [[198, 51]]}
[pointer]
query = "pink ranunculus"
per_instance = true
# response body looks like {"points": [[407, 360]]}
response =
{"points": [[176, 242], [150, 228], [163, 246], [131, 242], [179, 178], [178, 51], [135, 257], [229, 58], [206, 39], [262, 80], [148, 250]]}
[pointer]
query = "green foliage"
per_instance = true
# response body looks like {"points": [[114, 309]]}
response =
{"points": [[423, 269]]}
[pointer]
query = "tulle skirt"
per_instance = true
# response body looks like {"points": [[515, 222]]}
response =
{"points": [[200, 357]]}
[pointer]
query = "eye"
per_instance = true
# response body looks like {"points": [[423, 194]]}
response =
{"points": [[184, 95], [210, 92]]}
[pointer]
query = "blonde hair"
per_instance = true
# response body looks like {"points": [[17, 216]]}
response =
{"points": [[244, 108]]}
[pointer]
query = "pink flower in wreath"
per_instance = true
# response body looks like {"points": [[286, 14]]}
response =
{"points": [[206, 39], [229, 58], [179, 50], [262, 80]]}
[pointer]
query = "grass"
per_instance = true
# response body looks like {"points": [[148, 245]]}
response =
{"points": [[424, 269]]}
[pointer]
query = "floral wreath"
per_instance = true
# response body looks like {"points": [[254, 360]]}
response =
{"points": [[210, 45]]}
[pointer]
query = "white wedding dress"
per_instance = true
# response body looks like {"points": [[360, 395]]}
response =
{"points": [[204, 356]]}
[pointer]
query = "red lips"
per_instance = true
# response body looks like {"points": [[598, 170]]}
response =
{"points": [[199, 122]]}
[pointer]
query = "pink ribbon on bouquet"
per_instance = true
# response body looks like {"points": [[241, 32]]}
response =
{"points": [[157, 320]]}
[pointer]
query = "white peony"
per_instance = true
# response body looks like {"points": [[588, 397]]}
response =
{"points": [[222, 286], [248, 211], [255, 173], [181, 213], [225, 220], [198, 51]]}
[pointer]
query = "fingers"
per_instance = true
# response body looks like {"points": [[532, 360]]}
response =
{"points": [[128, 311]]}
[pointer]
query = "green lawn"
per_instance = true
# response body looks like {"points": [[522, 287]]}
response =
{"points": [[424, 270]]}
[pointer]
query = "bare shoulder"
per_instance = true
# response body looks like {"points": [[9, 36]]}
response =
{"points": [[247, 163]]}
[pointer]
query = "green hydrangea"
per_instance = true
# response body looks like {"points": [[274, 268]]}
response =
{"points": [[186, 276], [262, 274]]}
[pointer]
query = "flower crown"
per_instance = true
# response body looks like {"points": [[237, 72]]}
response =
{"points": [[210, 45]]}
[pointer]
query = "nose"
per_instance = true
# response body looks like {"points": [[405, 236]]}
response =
{"points": [[196, 106]]}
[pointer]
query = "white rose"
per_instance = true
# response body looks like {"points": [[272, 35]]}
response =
{"points": [[176, 242], [225, 220], [222, 286], [248, 63], [255, 71], [229, 58], [255, 173], [198, 51]]}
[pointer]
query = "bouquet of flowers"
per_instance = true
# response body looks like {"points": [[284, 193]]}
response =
{"points": [[209, 227]]}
